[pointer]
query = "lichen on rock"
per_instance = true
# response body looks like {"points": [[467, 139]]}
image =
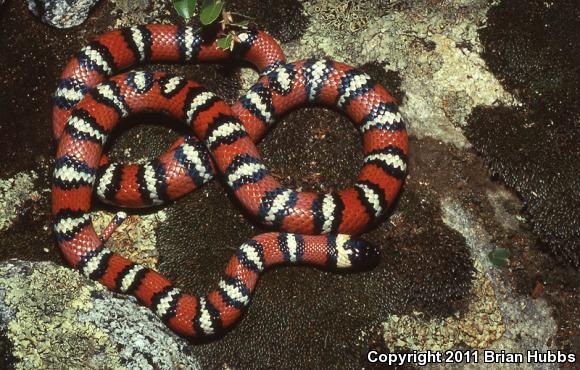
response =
{"points": [[496, 318], [479, 327], [13, 193], [135, 238], [62, 13], [129, 12], [54, 317], [436, 51], [45, 331]]}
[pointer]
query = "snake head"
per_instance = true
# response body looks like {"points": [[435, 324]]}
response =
{"points": [[355, 254]]}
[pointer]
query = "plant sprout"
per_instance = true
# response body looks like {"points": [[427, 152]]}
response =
{"points": [[212, 11]]}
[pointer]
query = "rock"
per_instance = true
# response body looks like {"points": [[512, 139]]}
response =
{"points": [[61, 13], [534, 148], [77, 322]]}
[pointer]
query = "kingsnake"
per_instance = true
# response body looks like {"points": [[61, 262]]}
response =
{"points": [[88, 107]]}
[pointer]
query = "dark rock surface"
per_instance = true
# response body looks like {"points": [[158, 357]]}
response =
{"points": [[534, 48]]}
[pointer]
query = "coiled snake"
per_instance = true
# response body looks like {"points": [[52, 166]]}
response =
{"points": [[92, 97]]}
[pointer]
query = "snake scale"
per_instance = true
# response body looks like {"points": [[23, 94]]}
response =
{"points": [[94, 94]]}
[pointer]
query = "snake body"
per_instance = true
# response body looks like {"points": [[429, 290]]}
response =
{"points": [[91, 99]]}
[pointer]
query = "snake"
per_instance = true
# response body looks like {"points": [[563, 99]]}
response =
{"points": [[93, 95]]}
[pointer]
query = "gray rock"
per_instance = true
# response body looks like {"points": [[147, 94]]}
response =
{"points": [[52, 315], [61, 13]]}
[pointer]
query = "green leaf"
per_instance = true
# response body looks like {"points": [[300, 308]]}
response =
{"points": [[499, 256], [225, 42], [210, 11], [185, 8]]}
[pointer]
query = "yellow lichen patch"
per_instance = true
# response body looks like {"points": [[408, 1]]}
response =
{"points": [[46, 332], [135, 238], [348, 15], [480, 326], [435, 50], [13, 193]]}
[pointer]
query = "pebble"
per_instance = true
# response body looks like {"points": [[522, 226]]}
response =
{"points": [[61, 13]]}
